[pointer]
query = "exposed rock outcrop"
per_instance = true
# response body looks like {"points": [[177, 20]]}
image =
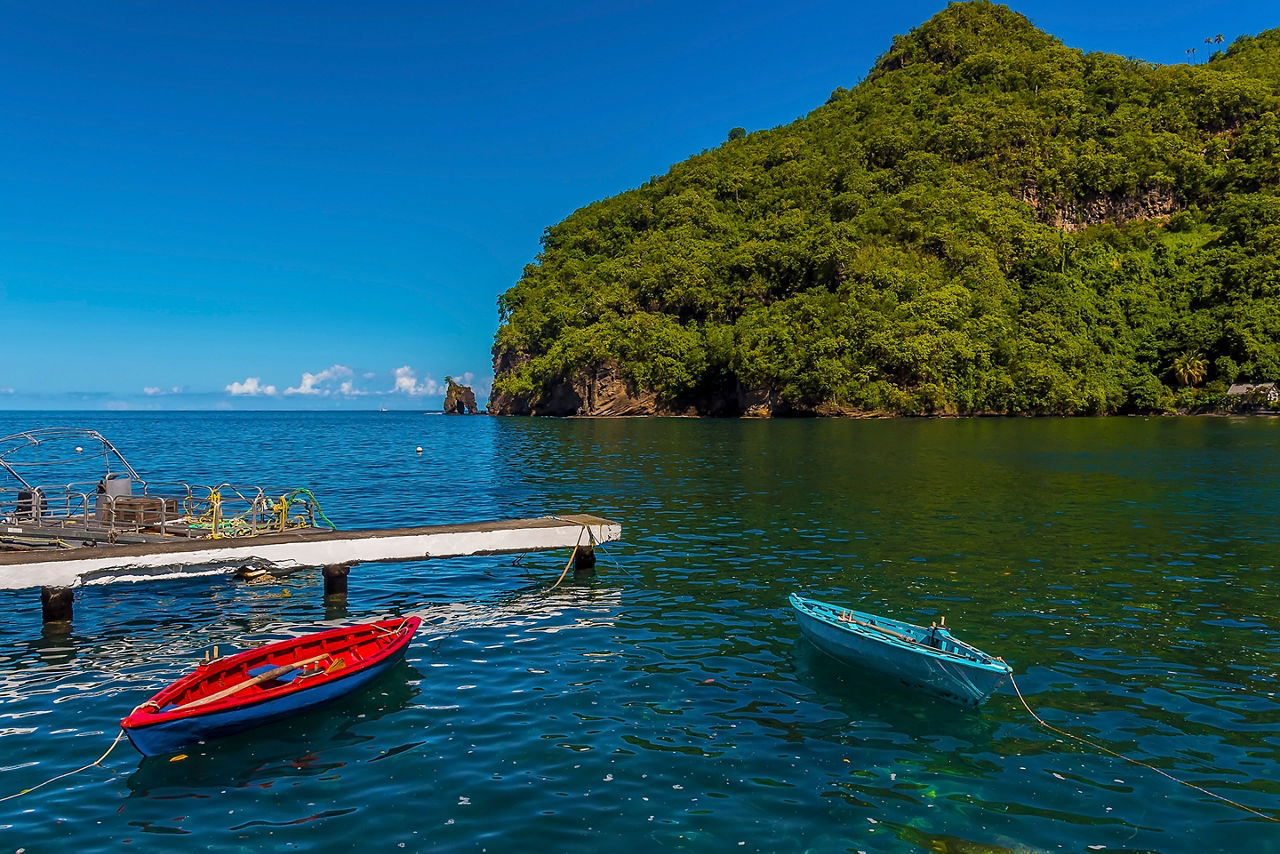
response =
{"points": [[604, 392], [500, 403], [459, 399], [1070, 215], [599, 391], [759, 402]]}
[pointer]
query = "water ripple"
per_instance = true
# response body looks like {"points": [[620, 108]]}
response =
{"points": [[668, 702]]}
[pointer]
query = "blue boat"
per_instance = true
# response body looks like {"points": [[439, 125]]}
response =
{"points": [[258, 686], [929, 659]]}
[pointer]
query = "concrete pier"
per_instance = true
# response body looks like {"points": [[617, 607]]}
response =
{"points": [[59, 571]]}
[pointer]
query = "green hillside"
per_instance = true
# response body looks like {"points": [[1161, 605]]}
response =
{"points": [[989, 222]]}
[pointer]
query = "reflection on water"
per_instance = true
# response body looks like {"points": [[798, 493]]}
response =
{"points": [[1124, 567], [866, 700]]}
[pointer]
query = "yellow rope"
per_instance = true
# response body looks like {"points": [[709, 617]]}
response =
{"points": [[1111, 752], [211, 516], [262, 515], [572, 555], [97, 761], [35, 541], [282, 510]]}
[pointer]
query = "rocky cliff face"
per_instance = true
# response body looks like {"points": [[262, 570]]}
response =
{"points": [[603, 392], [600, 391], [508, 361]]}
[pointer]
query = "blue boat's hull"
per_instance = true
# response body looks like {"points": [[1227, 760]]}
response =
{"points": [[956, 672], [171, 736]]}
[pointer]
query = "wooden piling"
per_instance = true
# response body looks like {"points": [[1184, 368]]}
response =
{"points": [[584, 560], [335, 580], [55, 602]]}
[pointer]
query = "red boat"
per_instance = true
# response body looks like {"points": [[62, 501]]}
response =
{"points": [[262, 685]]}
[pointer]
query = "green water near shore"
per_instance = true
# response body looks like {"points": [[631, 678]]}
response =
{"points": [[1126, 568]]}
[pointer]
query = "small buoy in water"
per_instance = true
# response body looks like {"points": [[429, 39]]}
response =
{"points": [[419, 449], [79, 449]]}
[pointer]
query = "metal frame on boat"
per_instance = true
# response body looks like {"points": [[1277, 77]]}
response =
{"points": [[930, 659], [68, 520], [61, 501]]}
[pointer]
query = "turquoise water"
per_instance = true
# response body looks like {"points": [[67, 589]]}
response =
{"points": [[1126, 568]]}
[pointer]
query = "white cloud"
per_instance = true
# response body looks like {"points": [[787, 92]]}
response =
{"points": [[315, 383], [152, 391], [251, 387], [407, 383], [6, 391], [338, 382]]}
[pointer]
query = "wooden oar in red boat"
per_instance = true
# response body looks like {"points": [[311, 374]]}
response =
{"points": [[273, 673]]}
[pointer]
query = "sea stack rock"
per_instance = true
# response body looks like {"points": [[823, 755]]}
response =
{"points": [[459, 399]]}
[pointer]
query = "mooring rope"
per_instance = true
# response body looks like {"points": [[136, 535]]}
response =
{"points": [[613, 560], [403, 619], [1110, 752], [97, 761], [595, 545], [573, 554]]}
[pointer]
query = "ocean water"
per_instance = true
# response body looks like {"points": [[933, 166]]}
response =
{"points": [[1126, 568]]}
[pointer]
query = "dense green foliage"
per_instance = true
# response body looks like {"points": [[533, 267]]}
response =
{"points": [[989, 222]]}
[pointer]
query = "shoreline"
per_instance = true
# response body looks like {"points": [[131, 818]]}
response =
{"points": [[886, 416]]}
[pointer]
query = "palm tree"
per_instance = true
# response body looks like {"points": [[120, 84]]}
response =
{"points": [[1190, 368]]}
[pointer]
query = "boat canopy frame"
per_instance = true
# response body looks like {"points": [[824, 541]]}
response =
{"points": [[115, 505], [11, 448]]}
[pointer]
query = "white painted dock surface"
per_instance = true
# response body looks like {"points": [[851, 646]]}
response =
{"points": [[292, 550]]}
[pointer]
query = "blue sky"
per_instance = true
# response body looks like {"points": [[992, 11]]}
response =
{"points": [[262, 205]]}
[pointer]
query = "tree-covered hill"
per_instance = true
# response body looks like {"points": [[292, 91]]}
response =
{"points": [[989, 222]]}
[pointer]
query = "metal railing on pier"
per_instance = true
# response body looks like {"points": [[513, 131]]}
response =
{"points": [[119, 509]]}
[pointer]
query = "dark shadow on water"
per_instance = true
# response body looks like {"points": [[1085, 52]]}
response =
{"points": [[56, 645], [335, 608], [303, 745], [862, 695]]}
